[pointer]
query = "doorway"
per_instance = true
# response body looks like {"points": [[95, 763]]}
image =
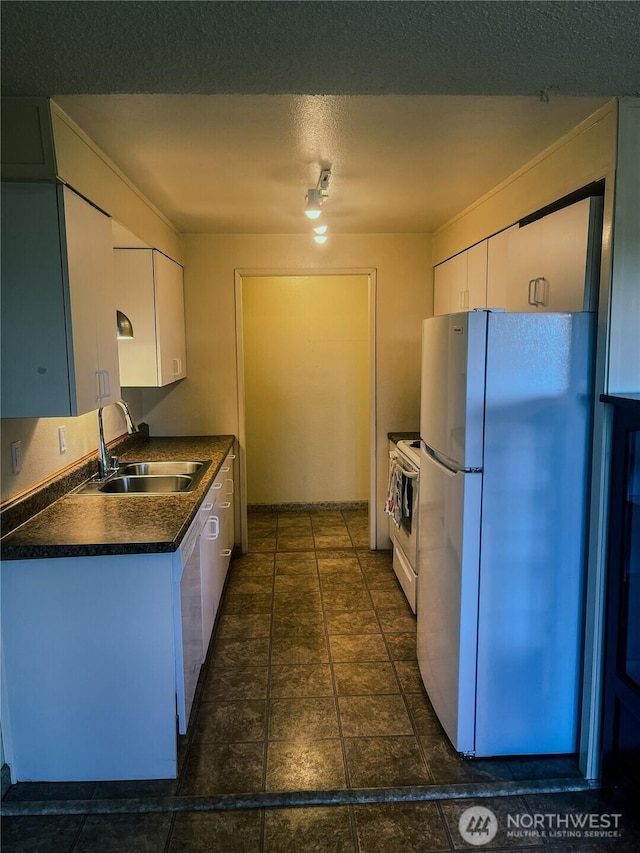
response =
{"points": [[306, 389]]}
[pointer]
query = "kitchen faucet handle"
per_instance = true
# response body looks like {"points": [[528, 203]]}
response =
{"points": [[114, 463]]}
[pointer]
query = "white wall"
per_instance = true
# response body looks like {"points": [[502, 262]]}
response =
{"points": [[207, 401], [41, 457]]}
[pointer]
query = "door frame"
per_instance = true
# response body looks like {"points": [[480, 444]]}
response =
{"points": [[239, 274]]}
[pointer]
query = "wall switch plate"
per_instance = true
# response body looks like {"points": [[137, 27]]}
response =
{"points": [[62, 439], [16, 456]]}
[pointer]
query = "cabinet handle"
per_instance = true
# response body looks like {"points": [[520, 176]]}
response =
{"points": [[537, 287], [226, 552], [217, 486], [226, 505], [207, 507], [229, 491], [104, 384], [216, 524], [177, 366]]}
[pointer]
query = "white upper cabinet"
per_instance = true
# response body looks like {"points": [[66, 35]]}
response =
{"points": [[449, 279], [59, 347], [460, 284], [150, 292], [476, 293], [550, 264]]}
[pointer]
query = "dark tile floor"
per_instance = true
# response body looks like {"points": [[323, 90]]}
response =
{"points": [[311, 683]]}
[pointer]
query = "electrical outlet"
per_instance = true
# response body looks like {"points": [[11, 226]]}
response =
{"points": [[16, 456], [62, 439]]}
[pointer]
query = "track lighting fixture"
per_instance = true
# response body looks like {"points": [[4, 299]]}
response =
{"points": [[316, 196]]}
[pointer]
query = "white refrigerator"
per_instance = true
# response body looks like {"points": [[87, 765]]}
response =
{"points": [[505, 437]]}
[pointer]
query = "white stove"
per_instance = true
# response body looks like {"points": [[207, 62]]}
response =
{"points": [[410, 449], [404, 488]]}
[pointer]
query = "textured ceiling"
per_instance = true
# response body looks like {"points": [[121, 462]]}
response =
{"points": [[479, 48], [243, 163], [224, 113]]}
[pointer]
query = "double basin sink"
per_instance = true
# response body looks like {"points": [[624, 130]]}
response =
{"points": [[148, 478]]}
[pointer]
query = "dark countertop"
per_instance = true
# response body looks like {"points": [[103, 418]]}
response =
{"points": [[631, 401], [92, 525], [395, 437]]}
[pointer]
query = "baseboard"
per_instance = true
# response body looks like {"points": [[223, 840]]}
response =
{"points": [[320, 506]]}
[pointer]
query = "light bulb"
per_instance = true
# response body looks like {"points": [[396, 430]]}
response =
{"points": [[321, 229], [314, 200], [320, 238]]}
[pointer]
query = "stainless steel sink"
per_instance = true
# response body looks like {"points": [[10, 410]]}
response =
{"points": [[155, 484], [151, 468], [149, 478]]}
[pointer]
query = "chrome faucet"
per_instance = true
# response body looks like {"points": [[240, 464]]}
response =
{"points": [[104, 469]]}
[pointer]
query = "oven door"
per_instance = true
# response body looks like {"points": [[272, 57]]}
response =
{"points": [[406, 534]]}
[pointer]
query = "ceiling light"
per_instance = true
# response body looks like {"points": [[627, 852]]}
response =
{"points": [[320, 238], [320, 229], [124, 327], [316, 196], [314, 200]]}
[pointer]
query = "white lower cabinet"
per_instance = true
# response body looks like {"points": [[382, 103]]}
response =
{"points": [[99, 654], [217, 545], [188, 619], [89, 667]]}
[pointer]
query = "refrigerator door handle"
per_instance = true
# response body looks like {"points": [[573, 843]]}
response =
{"points": [[447, 464]]}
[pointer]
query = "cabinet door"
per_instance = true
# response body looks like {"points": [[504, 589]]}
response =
{"points": [[449, 285], [170, 333], [228, 526], [524, 265], [35, 321], [209, 567], [191, 622], [498, 274], [59, 349], [565, 237], [552, 264], [476, 293], [93, 309], [133, 269]]}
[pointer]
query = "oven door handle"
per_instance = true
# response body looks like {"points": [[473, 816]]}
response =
{"points": [[408, 473]]}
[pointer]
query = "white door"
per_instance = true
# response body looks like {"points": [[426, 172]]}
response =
{"points": [[447, 601], [450, 284], [170, 329], [93, 304]]}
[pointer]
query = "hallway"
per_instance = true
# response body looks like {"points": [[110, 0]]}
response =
{"points": [[311, 685]]}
